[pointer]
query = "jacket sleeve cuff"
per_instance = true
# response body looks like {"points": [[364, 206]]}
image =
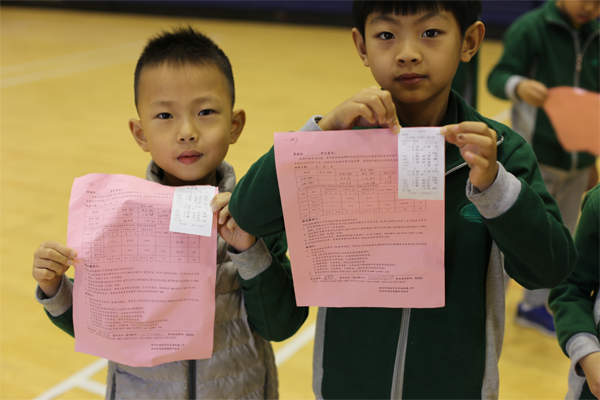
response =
{"points": [[61, 301], [510, 87], [499, 197], [579, 346], [253, 261], [312, 124]]}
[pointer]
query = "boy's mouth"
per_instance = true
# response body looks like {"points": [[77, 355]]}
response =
{"points": [[410, 78], [189, 157]]}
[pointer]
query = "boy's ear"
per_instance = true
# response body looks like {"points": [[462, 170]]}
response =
{"points": [[361, 47], [473, 39], [135, 126], [238, 120]]}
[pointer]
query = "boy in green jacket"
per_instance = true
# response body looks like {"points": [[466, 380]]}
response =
{"points": [[576, 305], [495, 202], [554, 45]]}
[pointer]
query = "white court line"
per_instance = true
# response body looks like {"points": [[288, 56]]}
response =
{"points": [[502, 116], [65, 70], [19, 69], [81, 379], [74, 381], [297, 342]]}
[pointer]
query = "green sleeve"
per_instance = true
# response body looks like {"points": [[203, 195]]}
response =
{"points": [[65, 320], [517, 59], [572, 302], [255, 203], [547, 255], [270, 298]]}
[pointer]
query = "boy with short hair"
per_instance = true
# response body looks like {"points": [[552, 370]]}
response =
{"points": [[184, 94], [556, 44], [495, 201], [576, 305]]}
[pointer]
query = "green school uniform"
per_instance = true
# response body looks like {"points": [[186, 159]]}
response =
{"points": [[543, 46], [572, 302], [449, 352]]}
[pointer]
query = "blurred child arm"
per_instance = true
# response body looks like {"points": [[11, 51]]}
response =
{"points": [[55, 290], [509, 78], [572, 303]]}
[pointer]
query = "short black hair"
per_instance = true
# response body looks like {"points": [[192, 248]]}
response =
{"points": [[183, 46], [466, 11]]}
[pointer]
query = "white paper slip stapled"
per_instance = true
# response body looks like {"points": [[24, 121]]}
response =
{"points": [[191, 212], [421, 157]]}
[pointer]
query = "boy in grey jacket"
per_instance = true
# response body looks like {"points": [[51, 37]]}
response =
{"points": [[184, 93]]}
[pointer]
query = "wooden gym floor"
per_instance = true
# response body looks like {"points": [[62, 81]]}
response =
{"points": [[67, 94]]}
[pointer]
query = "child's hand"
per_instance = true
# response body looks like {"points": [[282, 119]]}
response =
{"points": [[591, 367], [369, 107], [477, 144], [50, 261], [228, 228], [532, 92]]}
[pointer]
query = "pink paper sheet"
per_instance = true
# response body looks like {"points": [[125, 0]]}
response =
{"points": [[352, 242], [575, 116], [143, 295]]}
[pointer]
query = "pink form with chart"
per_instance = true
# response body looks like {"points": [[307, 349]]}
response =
{"points": [[143, 295], [353, 242]]}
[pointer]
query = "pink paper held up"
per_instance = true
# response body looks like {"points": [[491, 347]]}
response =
{"points": [[143, 295], [352, 242], [575, 116]]}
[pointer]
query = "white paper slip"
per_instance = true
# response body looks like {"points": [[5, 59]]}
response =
{"points": [[191, 212], [421, 157]]}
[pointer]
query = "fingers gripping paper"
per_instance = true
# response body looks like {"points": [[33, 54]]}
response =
{"points": [[352, 242], [143, 295]]}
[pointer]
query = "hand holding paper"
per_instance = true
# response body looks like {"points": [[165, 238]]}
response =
{"points": [[532, 92], [227, 227], [477, 144], [50, 262], [370, 107]]}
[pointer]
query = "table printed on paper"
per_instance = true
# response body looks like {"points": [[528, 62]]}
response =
{"points": [[356, 237], [143, 295]]}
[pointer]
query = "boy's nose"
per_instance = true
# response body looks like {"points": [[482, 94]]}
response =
{"points": [[187, 133], [408, 55]]}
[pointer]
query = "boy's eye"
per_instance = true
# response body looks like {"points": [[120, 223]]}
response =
{"points": [[206, 112], [164, 116], [430, 33], [386, 35]]}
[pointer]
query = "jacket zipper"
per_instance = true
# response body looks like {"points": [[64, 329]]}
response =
{"points": [[579, 52], [398, 378]]}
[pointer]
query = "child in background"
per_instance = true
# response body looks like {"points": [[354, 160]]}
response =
{"points": [[554, 45], [576, 305], [184, 94], [495, 202]]}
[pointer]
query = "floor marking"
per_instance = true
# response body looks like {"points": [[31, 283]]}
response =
{"points": [[18, 69], [76, 380], [503, 116], [82, 379], [65, 70], [293, 345]]}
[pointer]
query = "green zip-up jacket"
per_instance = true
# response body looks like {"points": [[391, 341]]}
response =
{"points": [[543, 46], [449, 352], [576, 310]]}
